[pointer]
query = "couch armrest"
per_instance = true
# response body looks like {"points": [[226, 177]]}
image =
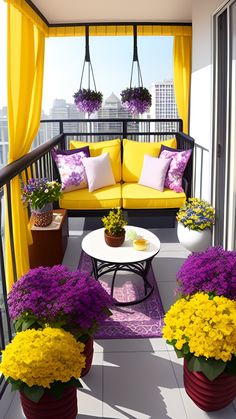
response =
{"points": [[185, 142], [185, 185]]}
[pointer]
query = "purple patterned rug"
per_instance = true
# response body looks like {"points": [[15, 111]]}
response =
{"points": [[144, 320]]}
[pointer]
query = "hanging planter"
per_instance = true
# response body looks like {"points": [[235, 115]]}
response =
{"points": [[136, 99], [88, 100]]}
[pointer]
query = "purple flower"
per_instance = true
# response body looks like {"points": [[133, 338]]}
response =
{"points": [[211, 271], [136, 99], [55, 294], [87, 100]]}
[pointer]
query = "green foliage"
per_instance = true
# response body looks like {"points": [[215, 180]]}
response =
{"points": [[210, 367], [35, 393], [114, 222], [133, 93]]}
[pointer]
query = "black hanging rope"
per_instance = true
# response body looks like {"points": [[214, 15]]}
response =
{"points": [[135, 59], [87, 53], [88, 61]]}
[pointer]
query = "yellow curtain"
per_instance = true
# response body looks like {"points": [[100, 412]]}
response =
{"points": [[164, 30], [182, 53], [25, 81], [28, 12]]}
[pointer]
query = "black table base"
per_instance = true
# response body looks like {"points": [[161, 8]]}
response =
{"points": [[139, 268]]}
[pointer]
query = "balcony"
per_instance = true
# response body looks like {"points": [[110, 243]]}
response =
{"points": [[110, 389], [137, 378]]}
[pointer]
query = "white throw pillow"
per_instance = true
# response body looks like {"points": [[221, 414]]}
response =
{"points": [[99, 172], [154, 172]]}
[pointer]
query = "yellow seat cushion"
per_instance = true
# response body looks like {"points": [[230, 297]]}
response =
{"points": [[136, 196], [133, 154], [109, 197], [112, 147]]}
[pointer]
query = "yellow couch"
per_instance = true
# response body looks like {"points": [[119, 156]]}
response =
{"points": [[126, 158]]}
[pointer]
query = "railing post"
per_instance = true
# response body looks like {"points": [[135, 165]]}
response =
{"points": [[60, 127], [125, 129]]}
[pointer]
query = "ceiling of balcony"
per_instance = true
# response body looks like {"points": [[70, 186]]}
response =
{"points": [[71, 11]]}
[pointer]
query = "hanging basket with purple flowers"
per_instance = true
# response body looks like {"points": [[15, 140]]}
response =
{"points": [[136, 99], [87, 100]]}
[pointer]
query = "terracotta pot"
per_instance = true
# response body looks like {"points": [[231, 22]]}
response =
{"points": [[42, 217], [194, 241], [50, 408], [88, 352], [209, 395], [114, 241]]}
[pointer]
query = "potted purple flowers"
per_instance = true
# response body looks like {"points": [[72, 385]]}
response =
{"points": [[57, 297], [87, 100], [40, 193], [212, 271], [136, 99]]}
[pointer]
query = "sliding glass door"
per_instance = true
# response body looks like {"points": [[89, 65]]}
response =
{"points": [[224, 138]]}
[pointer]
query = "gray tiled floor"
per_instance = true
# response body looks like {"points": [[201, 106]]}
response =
{"points": [[135, 378]]}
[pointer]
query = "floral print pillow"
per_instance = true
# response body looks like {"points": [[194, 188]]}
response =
{"points": [[179, 160], [72, 171]]}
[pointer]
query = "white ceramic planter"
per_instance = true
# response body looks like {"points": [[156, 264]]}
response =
{"points": [[194, 241]]}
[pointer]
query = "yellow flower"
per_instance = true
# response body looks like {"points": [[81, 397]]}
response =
{"points": [[40, 357], [207, 325]]}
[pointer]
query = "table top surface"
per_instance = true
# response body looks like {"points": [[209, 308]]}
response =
{"points": [[56, 224], [95, 246]]}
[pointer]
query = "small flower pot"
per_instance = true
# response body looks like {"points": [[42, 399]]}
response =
{"points": [[192, 240], [209, 395], [42, 217], [114, 241], [88, 352], [49, 407]]}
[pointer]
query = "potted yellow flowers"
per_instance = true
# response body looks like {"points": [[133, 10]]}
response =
{"points": [[202, 329], [114, 224], [195, 220], [44, 365]]}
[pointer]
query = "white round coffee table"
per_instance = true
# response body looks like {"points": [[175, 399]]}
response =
{"points": [[107, 259]]}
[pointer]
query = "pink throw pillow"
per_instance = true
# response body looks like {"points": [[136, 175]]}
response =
{"points": [[154, 172], [99, 172], [179, 160]]}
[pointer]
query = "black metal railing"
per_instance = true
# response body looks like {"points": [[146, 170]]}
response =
{"points": [[39, 163], [201, 163], [93, 130]]}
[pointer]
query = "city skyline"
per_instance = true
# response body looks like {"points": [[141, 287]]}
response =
{"points": [[111, 58]]}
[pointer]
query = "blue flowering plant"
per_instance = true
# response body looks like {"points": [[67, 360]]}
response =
{"points": [[39, 192], [196, 214], [87, 100], [136, 99], [57, 297]]}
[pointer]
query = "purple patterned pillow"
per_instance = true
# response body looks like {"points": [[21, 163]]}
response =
{"points": [[164, 147], [179, 160], [55, 151], [72, 171]]}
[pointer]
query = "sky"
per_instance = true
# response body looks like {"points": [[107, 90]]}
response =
{"points": [[111, 58]]}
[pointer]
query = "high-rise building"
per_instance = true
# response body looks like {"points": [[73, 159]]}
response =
{"points": [[63, 110], [58, 111], [112, 109], [163, 103]]}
